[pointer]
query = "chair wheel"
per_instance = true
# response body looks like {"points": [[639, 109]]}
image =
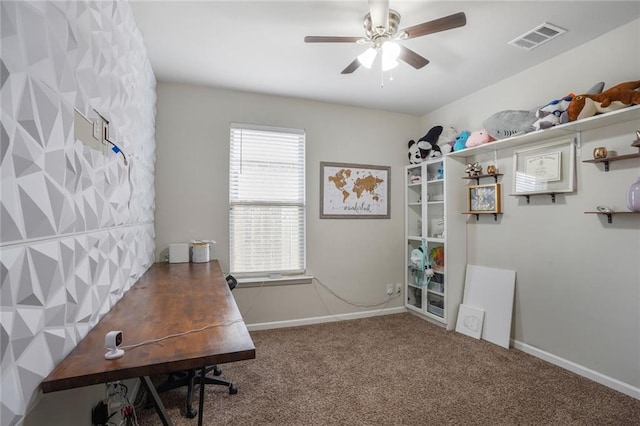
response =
{"points": [[233, 389], [217, 371], [191, 413]]}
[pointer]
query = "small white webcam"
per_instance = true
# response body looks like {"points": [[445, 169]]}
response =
{"points": [[112, 341]]}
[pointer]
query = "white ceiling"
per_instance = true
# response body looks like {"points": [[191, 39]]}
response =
{"points": [[258, 46]]}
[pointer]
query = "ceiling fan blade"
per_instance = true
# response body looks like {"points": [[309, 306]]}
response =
{"points": [[412, 58], [330, 39], [379, 10], [441, 24], [351, 67]]}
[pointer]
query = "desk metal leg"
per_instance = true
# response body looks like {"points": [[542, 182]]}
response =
{"points": [[162, 412], [203, 373]]}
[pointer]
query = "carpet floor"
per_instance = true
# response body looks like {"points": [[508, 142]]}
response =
{"points": [[396, 370]]}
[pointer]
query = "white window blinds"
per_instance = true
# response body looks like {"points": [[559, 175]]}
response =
{"points": [[267, 200]]}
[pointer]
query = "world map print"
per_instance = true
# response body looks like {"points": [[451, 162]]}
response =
{"points": [[355, 191]]}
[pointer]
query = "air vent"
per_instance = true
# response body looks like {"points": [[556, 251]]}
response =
{"points": [[537, 36]]}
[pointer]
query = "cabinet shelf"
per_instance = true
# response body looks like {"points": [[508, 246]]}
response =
{"points": [[436, 225], [610, 214], [607, 160]]}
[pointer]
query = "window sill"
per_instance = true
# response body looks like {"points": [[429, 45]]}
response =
{"points": [[267, 281]]}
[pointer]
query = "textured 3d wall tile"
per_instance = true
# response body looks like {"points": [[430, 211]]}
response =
{"points": [[77, 222]]}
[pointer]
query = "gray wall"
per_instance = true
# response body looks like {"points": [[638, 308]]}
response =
{"points": [[77, 225], [578, 277], [355, 257]]}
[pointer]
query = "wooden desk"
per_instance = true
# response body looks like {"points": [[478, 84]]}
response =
{"points": [[168, 299]]}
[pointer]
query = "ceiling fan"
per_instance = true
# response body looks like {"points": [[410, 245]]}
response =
{"points": [[381, 33]]}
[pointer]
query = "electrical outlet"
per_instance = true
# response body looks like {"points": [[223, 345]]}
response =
{"points": [[398, 288], [389, 289]]}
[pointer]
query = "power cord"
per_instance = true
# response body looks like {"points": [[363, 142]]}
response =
{"points": [[115, 401], [350, 302], [146, 342], [354, 303]]}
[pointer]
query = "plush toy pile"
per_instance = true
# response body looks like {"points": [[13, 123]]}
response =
{"points": [[441, 140], [437, 142]]}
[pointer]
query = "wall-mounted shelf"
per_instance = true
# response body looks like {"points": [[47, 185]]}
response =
{"points": [[610, 214], [552, 194], [478, 177], [495, 215], [606, 160], [602, 120]]}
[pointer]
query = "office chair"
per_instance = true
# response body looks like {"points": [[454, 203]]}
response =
{"points": [[191, 378]]}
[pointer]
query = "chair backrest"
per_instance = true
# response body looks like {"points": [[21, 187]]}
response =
{"points": [[231, 281]]}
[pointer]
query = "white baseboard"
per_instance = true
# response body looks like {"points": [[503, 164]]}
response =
{"points": [[323, 319], [607, 381]]}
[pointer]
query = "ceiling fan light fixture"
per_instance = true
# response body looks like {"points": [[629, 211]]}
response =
{"points": [[390, 50], [366, 59], [389, 64], [390, 54]]}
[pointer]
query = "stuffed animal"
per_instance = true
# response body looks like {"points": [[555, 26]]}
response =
{"points": [[428, 143], [414, 153], [461, 140], [447, 139], [479, 137], [555, 112], [619, 96], [504, 124]]}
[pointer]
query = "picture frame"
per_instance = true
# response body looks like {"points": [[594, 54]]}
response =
{"points": [[354, 191], [545, 169], [484, 198]]}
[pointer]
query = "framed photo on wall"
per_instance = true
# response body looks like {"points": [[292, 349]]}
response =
{"points": [[484, 198], [544, 169], [354, 191]]}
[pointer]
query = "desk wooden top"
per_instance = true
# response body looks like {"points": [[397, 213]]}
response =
{"points": [[168, 299]]}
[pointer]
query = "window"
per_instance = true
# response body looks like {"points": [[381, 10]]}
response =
{"points": [[266, 200]]}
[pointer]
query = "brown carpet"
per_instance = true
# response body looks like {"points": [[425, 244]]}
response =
{"points": [[397, 370]]}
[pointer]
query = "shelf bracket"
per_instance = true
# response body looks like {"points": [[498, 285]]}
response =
{"points": [[495, 217], [528, 199], [578, 143], [606, 165], [609, 219], [553, 198], [477, 217]]}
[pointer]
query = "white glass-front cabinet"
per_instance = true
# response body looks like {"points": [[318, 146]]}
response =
{"points": [[434, 225]]}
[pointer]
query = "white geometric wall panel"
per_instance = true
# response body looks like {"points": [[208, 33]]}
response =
{"points": [[76, 225]]}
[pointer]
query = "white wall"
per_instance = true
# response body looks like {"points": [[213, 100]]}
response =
{"points": [[355, 257], [77, 224], [578, 278]]}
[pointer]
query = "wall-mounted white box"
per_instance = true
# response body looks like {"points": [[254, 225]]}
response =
{"points": [[178, 252]]}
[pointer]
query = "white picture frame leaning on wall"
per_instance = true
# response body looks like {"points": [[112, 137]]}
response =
{"points": [[545, 169]]}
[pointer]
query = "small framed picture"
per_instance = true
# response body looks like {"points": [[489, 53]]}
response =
{"points": [[484, 198]]}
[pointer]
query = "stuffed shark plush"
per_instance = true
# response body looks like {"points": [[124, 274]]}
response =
{"points": [[619, 96]]}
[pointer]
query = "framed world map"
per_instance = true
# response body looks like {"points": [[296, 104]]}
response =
{"points": [[352, 191]]}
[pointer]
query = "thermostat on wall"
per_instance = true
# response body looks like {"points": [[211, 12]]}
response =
{"points": [[178, 252]]}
